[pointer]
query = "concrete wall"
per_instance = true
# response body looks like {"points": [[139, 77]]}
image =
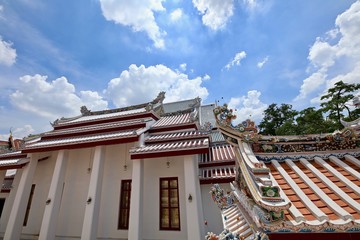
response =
{"points": [[212, 213], [111, 187], [42, 180], [154, 169], [76, 185]]}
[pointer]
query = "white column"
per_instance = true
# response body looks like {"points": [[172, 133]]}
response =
{"points": [[9, 201], [15, 223], [91, 217], [50, 217], [136, 204], [2, 176], [194, 212]]}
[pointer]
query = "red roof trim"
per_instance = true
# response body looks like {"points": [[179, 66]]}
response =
{"points": [[12, 166], [106, 120], [217, 180], [315, 236], [94, 131], [14, 156], [180, 152], [216, 163], [173, 127], [81, 145]]}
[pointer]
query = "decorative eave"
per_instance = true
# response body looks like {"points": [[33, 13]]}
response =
{"points": [[189, 147], [175, 122], [174, 136], [151, 109], [12, 155], [95, 129], [81, 122], [264, 191], [13, 163], [82, 141]]}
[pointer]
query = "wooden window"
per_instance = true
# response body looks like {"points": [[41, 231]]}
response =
{"points": [[29, 205], [169, 204], [124, 211]]}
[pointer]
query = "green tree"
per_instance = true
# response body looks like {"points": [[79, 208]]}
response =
{"points": [[311, 121], [276, 116], [336, 100]]}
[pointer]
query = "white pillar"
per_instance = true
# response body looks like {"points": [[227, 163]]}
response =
{"points": [[15, 223], [194, 212], [136, 204], [91, 217], [2, 176], [50, 217], [9, 201]]}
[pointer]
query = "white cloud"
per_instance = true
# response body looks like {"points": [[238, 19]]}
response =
{"points": [[311, 84], [183, 67], [53, 99], [262, 63], [176, 14], [141, 84], [236, 60], [322, 54], [206, 77], [334, 61], [215, 14], [7, 53], [248, 106], [137, 14]]}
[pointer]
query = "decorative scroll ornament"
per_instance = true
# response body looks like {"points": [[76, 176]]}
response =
{"points": [[246, 130], [220, 198]]}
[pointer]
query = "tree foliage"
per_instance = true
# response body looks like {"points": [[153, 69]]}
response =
{"points": [[336, 102], [276, 116], [283, 120]]}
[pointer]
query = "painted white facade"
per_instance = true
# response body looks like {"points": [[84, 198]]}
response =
{"points": [[74, 194]]}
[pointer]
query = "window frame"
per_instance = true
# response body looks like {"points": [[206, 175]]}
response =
{"points": [[123, 206], [169, 207]]}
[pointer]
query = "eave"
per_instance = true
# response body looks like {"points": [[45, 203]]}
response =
{"points": [[82, 142], [106, 120], [173, 127], [97, 129]]}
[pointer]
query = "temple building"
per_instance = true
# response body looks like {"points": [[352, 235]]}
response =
{"points": [[180, 170]]}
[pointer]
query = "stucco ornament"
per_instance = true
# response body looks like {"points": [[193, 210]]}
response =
{"points": [[246, 130]]}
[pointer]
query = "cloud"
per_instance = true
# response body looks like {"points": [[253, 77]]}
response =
{"points": [[54, 99], [262, 63], [215, 14], [311, 84], [236, 60], [183, 67], [7, 53], [176, 14], [139, 15], [248, 106], [333, 60], [141, 84]]}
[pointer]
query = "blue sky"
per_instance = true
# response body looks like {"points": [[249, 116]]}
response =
{"points": [[56, 56]]}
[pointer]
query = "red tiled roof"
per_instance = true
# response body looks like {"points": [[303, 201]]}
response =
{"points": [[174, 136], [82, 141], [171, 149], [320, 189], [217, 174], [93, 129], [219, 155], [174, 122]]}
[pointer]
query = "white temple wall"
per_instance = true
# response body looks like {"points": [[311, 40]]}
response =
{"points": [[212, 213], [116, 156], [75, 192], [42, 179], [153, 170]]}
